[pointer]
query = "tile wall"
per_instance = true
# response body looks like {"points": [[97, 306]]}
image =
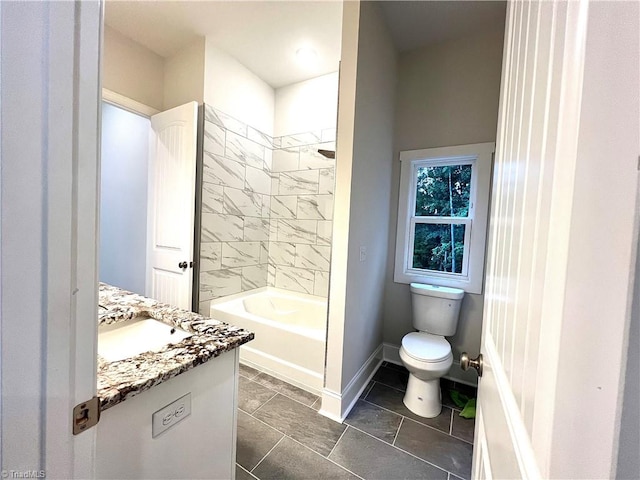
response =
{"points": [[267, 209]]}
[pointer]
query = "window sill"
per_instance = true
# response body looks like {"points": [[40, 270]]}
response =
{"points": [[463, 283]]}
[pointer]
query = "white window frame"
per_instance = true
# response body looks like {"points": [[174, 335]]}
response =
{"points": [[480, 157]]}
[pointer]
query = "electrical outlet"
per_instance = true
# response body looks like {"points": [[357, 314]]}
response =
{"points": [[363, 253], [168, 416]]}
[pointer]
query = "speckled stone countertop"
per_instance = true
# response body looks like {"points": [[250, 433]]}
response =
{"points": [[123, 379]]}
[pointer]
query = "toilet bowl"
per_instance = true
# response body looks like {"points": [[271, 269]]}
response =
{"points": [[427, 357], [426, 353]]}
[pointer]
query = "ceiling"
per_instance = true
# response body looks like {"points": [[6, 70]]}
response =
{"points": [[264, 35], [416, 24]]}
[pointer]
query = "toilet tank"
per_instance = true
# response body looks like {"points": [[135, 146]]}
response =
{"points": [[436, 309]]}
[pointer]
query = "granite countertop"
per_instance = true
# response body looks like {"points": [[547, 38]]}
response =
{"points": [[122, 379]]}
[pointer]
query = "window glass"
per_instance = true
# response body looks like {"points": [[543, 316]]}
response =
{"points": [[438, 247], [443, 191]]}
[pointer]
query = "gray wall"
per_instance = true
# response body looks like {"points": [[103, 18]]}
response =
{"points": [[629, 444], [363, 171], [447, 94], [123, 198], [370, 190], [132, 70]]}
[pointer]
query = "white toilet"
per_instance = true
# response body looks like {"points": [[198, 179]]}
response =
{"points": [[426, 353]]}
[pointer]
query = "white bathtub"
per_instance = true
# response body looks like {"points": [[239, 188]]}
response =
{"points": [[290, 333]]}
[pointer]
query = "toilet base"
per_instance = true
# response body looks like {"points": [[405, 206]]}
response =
{"points": [[423, 397]]}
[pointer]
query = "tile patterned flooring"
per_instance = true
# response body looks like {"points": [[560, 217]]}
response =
{"points": [[281, 435]]}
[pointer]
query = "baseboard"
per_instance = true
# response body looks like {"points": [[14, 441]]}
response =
{"points": [[331, 405], [337, 406], [470, 377], [391, 353], [456, 374]]}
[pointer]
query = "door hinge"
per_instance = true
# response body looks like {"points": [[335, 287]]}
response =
{"points": [[85, 415]]}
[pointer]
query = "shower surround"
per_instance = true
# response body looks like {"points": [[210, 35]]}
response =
{"points": [[267, 209]]}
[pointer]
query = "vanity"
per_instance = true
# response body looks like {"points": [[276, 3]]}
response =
{"points": [[161, 417]]}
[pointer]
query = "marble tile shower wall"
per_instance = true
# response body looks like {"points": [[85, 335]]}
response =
{"points": [[267, 209], [301, 212]]}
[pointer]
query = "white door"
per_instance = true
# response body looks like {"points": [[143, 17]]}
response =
{"points": [[561, 242], [172, 183], [49, 141]]}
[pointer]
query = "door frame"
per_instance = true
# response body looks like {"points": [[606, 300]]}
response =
{"points": [[49, 143], [127, 103]]}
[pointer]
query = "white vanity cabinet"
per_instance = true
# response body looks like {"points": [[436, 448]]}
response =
{"points": [[201, 445]]}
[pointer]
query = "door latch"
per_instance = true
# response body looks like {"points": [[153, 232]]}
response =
{"points": [[85, 415], [183, 265]]}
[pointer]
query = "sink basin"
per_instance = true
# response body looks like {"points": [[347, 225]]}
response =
{"points": [[133, 337]]}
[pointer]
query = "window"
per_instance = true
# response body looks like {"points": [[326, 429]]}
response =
{"points": [[442, 216]]}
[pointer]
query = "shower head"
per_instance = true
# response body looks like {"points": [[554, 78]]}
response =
{"points": [[327, 153]]}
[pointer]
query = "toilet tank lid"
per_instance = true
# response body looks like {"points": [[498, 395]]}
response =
{"points": [[435, 291]]}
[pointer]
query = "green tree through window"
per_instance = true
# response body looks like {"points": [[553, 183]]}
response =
{"points": [[441, 191]]}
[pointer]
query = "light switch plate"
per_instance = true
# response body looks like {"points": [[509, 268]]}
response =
{"points": [[168, 416]]}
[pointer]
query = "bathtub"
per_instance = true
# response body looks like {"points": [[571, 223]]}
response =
{"points": [[290, 333]]}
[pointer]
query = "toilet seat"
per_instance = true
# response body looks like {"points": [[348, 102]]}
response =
{"points": [[426, 347]]}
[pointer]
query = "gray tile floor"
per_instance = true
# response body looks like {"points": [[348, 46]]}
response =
{"points": [[281, 435]]}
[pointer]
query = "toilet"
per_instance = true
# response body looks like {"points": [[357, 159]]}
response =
{"points": [[426, 353]]}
